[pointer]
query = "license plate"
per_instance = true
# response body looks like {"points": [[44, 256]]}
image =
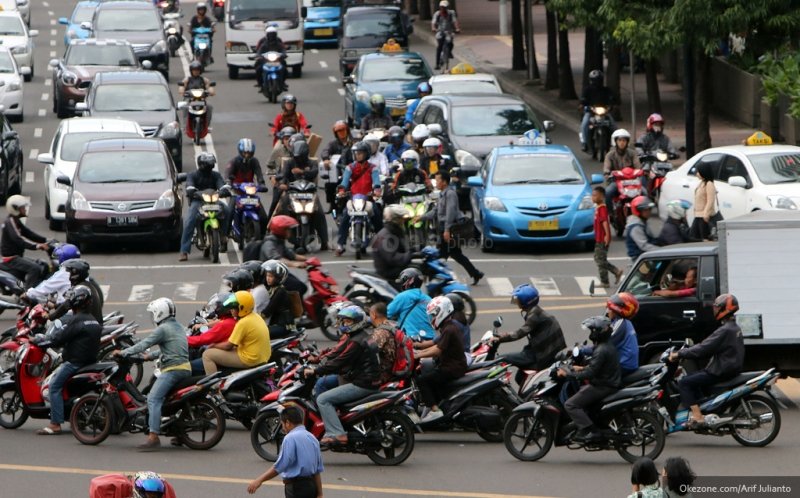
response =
{"points": [[304, 197], [249, 201], [543, 224], [398, 111], [272, 64], [323, 32], [122, 221], [357, 213], [210, 207]]}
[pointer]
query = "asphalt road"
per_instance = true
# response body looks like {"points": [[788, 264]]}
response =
{"points": [[455, 464]]}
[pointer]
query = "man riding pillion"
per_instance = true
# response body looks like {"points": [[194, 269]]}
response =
{"points": [[378, 116], [196, 81], [409, 307], [78, 271], [545, 337], [200, 20], [410, 172], [595, 94], [620, 156], [676, 229], [278, 312], [397, 144], [270, 43], [245, 168], [289, 116], [341, 145], [655, 138], [360, 177], [16, 237], [423, 90], [59, 282], [204, 178], [248, 345], [638, 237], [390, 251], [444, 22]]}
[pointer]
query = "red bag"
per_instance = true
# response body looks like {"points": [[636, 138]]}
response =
{"points": [[404, 354], [110, 486]]}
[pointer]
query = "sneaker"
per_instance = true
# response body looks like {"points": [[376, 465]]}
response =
{"points": [[431, 416], [183, 257], [618, 275], [339, 250]]}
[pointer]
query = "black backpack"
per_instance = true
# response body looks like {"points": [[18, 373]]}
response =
{"points": [[252, 251]]}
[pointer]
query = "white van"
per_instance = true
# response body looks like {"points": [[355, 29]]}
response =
{"points": [[246, 22]]}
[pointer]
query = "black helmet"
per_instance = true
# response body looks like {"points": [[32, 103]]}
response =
{"points": [[288, 98], [596, 77], [599, 328], [78, 270], [458, 301], [396, 135], [79, 298], [238, 280], [206, 162], [216, 306], [362, 147], [410, 278], [195, 65], [254, 267], [300, 150], [725, 305]]}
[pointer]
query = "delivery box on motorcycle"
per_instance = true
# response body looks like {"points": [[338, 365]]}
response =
{"points": [[314, 141]]}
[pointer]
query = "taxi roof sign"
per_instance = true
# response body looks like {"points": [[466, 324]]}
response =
{"points": [[462, 68], [759, 138]]}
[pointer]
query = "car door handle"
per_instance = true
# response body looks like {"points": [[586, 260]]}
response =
{"points": [[685, 185], [690, 315]]}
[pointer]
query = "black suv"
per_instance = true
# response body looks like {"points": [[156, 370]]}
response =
{"points": [[10, 161], [366, 29]]}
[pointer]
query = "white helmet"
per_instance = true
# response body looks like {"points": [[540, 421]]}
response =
{"points": [[621, 133], [444, 3], [439, 309], [15, 203], [271, 29], [395, 212], [432, 142], [677, 209], [161, 309], [420, 133], [410, 155], [373, 140]]}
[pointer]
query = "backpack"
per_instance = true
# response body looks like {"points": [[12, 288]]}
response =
{"points": [[252, 251], [404, 354]]}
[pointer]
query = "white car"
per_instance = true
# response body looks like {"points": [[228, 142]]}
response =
{"points": [[65, 150], [11, 85], [21, 6], [14, 35], [748, 178], [465, 83]]}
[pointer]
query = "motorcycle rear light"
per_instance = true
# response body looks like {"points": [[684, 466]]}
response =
{"points": [[270, 397], [659, 395]]}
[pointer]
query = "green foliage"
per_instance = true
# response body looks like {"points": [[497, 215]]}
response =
{"points": [[781, 76]]}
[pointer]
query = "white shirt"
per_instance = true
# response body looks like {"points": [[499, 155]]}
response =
{"points": [[57, 284], [260, 297], [380, 161]]}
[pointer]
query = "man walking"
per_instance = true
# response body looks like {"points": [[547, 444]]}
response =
{"points": [[299, 463]]}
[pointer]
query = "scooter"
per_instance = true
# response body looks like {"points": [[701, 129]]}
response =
{"points": [[14, 285], [240, 391], [201, 46], [629, 186], [656, 165], [11, 287], [359, 208], [271, 75], [197, 121], [303, 196], [173, 31], [324, 294], [414, 199], [168, 7], [219, 10], [599, 139], [246, 225], [207, 233]]}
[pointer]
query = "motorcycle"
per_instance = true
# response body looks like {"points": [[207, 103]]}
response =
{"points": [[317, 305], [201, 45], [271, 75], [360, 208], [377, 425], [246, 225], [303, 199], [629, 186], [219, 10], [167, 7], [414, 199], [11, 280], [197, 122], [240, 391], [207, 231], [116, 405], [11, 287], [173, 32], [599, 139], [655, 164]]}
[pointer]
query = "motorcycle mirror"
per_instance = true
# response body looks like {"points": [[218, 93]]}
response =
{"points": [[147, 65], [213, 83], [688, 342], [576, 351], [498, 322]]}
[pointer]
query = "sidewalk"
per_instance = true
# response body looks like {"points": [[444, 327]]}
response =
{"points": [[491, 53]]}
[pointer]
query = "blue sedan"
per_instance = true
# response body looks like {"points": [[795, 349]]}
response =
{"points": [[532, 193], [83, 12], [323, 22]]}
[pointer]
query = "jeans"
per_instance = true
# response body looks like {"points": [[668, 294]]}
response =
{"points": [[191, 221], [327, 401], [587, 396], [691, 386], [601, 260], [29, 270], [325, 383], [197, 366], [62, 375], [585, 127], [155, 400]]}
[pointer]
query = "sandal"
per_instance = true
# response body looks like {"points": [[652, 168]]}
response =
{"points": [[693, 424], [47, 431]]}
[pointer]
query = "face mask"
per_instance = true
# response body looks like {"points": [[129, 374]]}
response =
{"points": [[657, 129]]}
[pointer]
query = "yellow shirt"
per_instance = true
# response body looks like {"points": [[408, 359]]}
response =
{"points": [[251, 337]]}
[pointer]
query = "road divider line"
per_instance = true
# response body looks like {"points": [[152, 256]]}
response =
{"points": [[51, 13], [52, 43], [104, 289], [53, 32], [585, 284], [314, 51], [45, 4], [29, 177], [33, 154], [323, 64], [42, 113], [53, 22], [37, 132], [45, 96], [187, 291], [333, 79]]}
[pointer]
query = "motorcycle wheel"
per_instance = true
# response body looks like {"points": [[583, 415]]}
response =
{"points": [[499, 402], [619, 223], [204, 419], [328, 327], [524, 432], [214, 236], [11, 413], [469, 303], [397, 438], [197, 131], [249, 231], [219, 14], [266, 436], [7, 359], [648, 431], [137, 369], [91, 419], [361, 298], [759, 407], [358, 239]]}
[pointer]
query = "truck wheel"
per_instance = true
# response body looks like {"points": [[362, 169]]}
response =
{"points": [[233, 72], [297, 71]]}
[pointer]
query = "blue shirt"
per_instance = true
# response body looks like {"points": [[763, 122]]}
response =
{"points": [[408, 310], [393, 153], [410, 110], [300, 455], [623, 337]]}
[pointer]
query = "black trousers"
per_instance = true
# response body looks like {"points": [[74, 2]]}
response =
{"points": [[453, 250], [431, 386], [587, 396], [302, 487], [691, 386], [25, 269], [524, 359]]}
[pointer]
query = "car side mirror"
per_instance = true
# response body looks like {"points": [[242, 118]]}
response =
{"points": [[475, 181], [45, 158], [33, 33], [81, 107], [64, 180], [10, 135], [86, 26], [25, 71], [596, 179], [737, 181], [63, 20], [181, 177], [549, 125], [53, 63], [147, 65]]}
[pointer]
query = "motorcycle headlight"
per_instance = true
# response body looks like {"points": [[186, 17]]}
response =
{"points": [[309, 208], [273, 57], [22, 49], [362, 95], [467, 160], [68, 78], [250, 190], [196, 93], [494, 204], [166, 201], [358, 204], [79, 202], [210, 197], [158, 47], [781, 202], [662, 156], [586, 202], [600, 111], [172, 30], [170, 130], [297, 206]]}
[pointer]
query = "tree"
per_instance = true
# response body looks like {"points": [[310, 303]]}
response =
{"points": [[566, 81], [517, 38], [551, 70]]}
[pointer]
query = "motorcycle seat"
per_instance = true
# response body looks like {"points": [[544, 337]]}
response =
{"points": [[365, 271], [468, 378], [736, 381], [186, 382], [95, 367], [629, 392], [642, 373], [478, 365], [371, 397]]}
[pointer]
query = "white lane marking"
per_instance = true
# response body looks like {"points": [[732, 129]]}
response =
{"points": [[48, 82], [37, 132], [52, 22], [45, 96], [314, 51], [42, 112], [500, 286], [210, 146], [104, 289], [53, 32], [52, 53], [585, 282], [163, 267], [141, 293], [52, 43], [546, 286], [323, 64], [45, 4], [340, 91], [50, 13], [333, 79], [34, 153], [187, 291], [29, 177]]}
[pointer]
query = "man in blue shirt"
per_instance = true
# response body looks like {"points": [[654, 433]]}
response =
{"points": [[397, 144], [408, 307], [423, 89], [299, 463]]}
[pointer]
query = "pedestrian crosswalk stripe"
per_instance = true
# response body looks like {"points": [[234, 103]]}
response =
{"points": [[500, 286], [104, 289], [546, 286], [187, 291], [586, 282], [141, 293]]}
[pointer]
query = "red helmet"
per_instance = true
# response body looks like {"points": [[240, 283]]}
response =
{"points": [[313, 262], [640, 203], [280, 225], [654, 118], [624, 304], [725, 305]]}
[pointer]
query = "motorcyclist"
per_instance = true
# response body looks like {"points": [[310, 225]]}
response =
{"points": [[221, 324], [444, 22], [433, 161], [274, 247], [620, 156], [397, 144], [638, 238], [341, 145], [280, 153], [248, 345], [278, 312], [299, 167], [245, 168], [170, 338], [620, 309], [80, 340], [270, 43], [655, 139], [196, 81], [725, 350], [410, 172], [200, 20], [676, 229], [544, 334], [237, 280], [390, 251], [289, 116], [58, 283], [602, 372], [408, 308], [78, 270], [360, 177], [419, 134], [16, 237], [204, 178], [378, 116], [377, 157], [423, 90], [148, 484], [595, 94], [358, 364]]}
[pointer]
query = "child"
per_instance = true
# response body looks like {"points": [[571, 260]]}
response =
{"points": [[602, 238]]}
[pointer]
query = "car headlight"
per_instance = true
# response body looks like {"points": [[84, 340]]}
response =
{"points": [[586, 202], [362, 95], [69, 79], [781, 202], [166, 201], [494, 204], [467, 160], [158, 47], [79, 202], [170, 130], [14, 86], [22, 49]]}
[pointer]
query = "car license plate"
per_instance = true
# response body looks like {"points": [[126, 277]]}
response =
{"points": [[543, 224], [323, 32], [122, 221], [398, 111]]}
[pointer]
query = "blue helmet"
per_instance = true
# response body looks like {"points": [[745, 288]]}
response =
{"points": [[430, 252], [525, 295], [246, 145], [354, 313], [425, 88], [65, 252], [148, 484]]}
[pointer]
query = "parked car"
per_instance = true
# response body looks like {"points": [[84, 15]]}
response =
{"points": [[124, 189], [83, 12], [11, 85], [465, 83], [65, 149], [532, 193], [141, 96], [747, 177], [393, 75], [366, 29], [21, 6], [323, 21], [10, 162], [18, 39], [137, 22], [73, 74]]}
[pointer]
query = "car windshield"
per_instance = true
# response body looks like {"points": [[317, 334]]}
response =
{"points": [[124, 166], [260, 10], [465, 86], [322, 3], [133, 97], [394, 69], [11, 26], [777, 168], [128, 20], [6, 63], [521, 169], [72, 144], [82, 13], [100, 55], [492, 120], [381, 25]]}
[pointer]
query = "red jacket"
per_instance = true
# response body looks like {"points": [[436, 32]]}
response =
{"points": [[220, 332], [296, 120], [361, 178]]}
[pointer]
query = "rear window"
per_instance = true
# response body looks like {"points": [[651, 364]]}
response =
{"points": [[379, 24], [465, 86], [394, 69], [123, 166], [72, 145], [128, 20], [492, 120], [100, 55]]}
